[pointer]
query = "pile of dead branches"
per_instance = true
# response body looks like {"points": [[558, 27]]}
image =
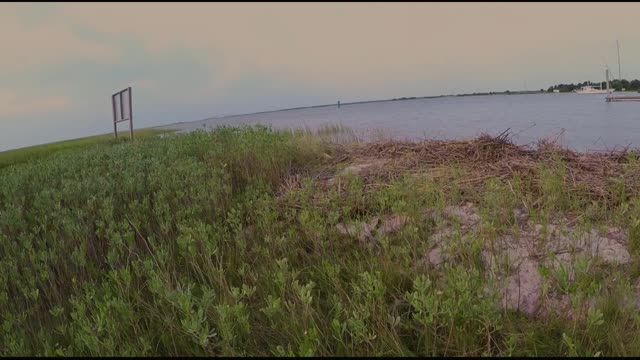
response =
{"points": [[601, 174]]}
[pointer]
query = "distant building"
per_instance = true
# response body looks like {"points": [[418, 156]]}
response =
{"points": [[556, 90]]}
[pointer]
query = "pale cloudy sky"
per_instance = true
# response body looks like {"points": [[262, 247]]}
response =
{"points": [[187, 61]]}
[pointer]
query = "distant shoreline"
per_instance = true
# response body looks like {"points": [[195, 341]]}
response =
{"points": [[359, 102]]}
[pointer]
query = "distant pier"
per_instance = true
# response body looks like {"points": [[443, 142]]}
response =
{"points": [[623, 98]]}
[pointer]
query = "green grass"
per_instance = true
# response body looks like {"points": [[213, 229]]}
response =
{"points": [[205, 245], [16, 156]]}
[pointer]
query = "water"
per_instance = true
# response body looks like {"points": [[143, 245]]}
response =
{"points": [[581, 122]]}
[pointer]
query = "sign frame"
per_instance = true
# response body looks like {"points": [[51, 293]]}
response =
{"points": [[119, 116]]}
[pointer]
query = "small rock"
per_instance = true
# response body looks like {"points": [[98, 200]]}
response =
{"points": [[523, 289], [434, 256], [609, 250]]}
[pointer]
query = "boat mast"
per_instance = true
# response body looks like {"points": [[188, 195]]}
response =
{"points": [[619, 71]]}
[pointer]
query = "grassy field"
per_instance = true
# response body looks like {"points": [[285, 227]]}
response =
{"points": [[247, 241], [12, 157]]}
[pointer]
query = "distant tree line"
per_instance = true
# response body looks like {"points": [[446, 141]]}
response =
{"points": [[404, 98], [618, 85]]}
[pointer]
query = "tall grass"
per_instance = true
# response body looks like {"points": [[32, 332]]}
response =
{"points": [[186, 245], [12, 157]]}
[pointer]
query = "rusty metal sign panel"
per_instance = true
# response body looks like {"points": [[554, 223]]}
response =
{"points": [[122, 110]]}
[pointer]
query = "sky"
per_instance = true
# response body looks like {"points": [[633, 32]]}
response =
{"points": [[60, 62]]}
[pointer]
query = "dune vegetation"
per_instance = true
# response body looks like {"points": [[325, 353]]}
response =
{"points": [[249, 241]]}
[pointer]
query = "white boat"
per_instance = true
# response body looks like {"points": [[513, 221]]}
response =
{"points": [[588, 89]]}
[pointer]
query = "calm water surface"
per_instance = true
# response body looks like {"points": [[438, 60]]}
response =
{"points": [[582, 122]]}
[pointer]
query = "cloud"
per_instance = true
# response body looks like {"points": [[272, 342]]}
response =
{"points": [[31, 39], [169, 76], [364, 45], [16, 104]]}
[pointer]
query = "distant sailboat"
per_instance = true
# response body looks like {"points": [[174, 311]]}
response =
{"points": [[591, 90], [588, 89]]}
